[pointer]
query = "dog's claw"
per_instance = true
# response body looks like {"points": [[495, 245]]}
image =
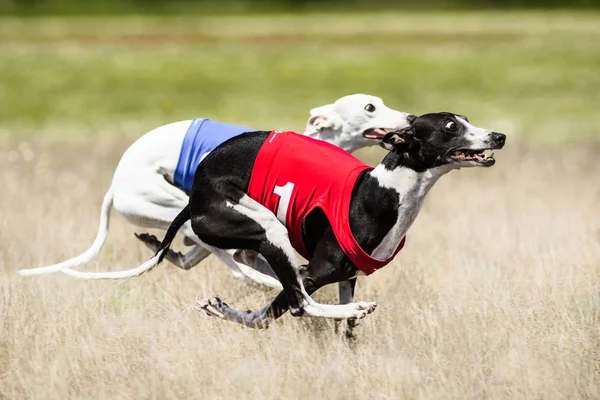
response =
{"points": [[367, 305], [146, 238], [210, 307], [151, 242], [364, 308]]}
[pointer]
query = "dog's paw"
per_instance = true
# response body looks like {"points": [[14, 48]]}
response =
{"points": [[367, 305], [363, 308], [211, 307], [359, 314], [147, 238]]}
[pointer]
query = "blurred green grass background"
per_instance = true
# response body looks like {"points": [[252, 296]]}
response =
{"points": [[532, 74]]}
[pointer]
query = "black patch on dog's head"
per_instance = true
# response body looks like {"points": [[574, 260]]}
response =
{"points": [[431, 140], [402, 141]]}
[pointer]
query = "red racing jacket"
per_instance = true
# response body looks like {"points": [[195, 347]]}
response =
{"points": [[294, 174]]}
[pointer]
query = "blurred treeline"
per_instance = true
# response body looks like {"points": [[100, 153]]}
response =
{"points": [[201, 7]]}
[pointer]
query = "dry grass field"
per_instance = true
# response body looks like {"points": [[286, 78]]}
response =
{"points": [[496, 294]]}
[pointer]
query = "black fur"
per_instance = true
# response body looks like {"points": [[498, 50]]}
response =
{"points": [[224, 176], [436, 142], [180, 219]]}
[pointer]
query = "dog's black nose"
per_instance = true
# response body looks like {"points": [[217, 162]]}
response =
{"points": [[411, 118], [499, 138]]}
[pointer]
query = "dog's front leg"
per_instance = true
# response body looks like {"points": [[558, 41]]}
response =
{"points": [[346, 296], [346, 291], [330, 265], [345, 288]]}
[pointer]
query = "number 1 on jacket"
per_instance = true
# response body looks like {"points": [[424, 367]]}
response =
{"points": [[285, 194]]}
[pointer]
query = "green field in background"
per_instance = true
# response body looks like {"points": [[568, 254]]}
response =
{"points": [[534, 75]]}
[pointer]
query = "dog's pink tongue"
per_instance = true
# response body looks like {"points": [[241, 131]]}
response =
{"points": [[375, 134], [379, 131]]}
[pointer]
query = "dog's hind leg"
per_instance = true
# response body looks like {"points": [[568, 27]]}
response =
{"points": [[254, 260], [245, 271], [257, 228], [184, 261], [156, 208], [201, 250]]}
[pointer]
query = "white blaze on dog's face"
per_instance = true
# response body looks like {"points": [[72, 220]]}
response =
{"points": [[355, 121], [449, 140], [476, 142]]}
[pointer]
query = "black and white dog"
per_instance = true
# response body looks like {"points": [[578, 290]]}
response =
{"points": [[341, 237]]}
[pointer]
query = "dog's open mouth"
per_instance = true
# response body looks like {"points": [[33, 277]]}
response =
{"points": [[375, 133], [481, 157]]}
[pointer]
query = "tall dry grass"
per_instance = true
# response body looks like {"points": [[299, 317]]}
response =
{"points": [[496, 295]]}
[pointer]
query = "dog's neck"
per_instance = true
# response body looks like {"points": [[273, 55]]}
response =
{"points": [[395, 194]]}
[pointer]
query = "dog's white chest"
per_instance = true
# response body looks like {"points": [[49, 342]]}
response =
{"points": [[411, 187]]}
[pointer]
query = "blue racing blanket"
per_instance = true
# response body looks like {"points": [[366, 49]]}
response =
{"points": [[202, 137]]}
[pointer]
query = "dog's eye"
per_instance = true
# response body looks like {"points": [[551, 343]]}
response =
{"points": [[370, 107], [451, 125]]}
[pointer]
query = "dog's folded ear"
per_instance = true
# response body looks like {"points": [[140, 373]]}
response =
{"points": [[323, 117], [320, 122], [402, 141]]}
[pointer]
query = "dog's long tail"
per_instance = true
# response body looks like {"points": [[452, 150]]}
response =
{"points": [[90, 253], [177, 223]]}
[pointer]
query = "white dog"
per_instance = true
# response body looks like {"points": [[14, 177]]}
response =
{"points": [[143, 192]]}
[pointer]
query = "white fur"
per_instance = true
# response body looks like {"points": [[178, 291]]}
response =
{"points": [[141, 191], [343, 122], [275, 231], [411, 187], [479, 137]]}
